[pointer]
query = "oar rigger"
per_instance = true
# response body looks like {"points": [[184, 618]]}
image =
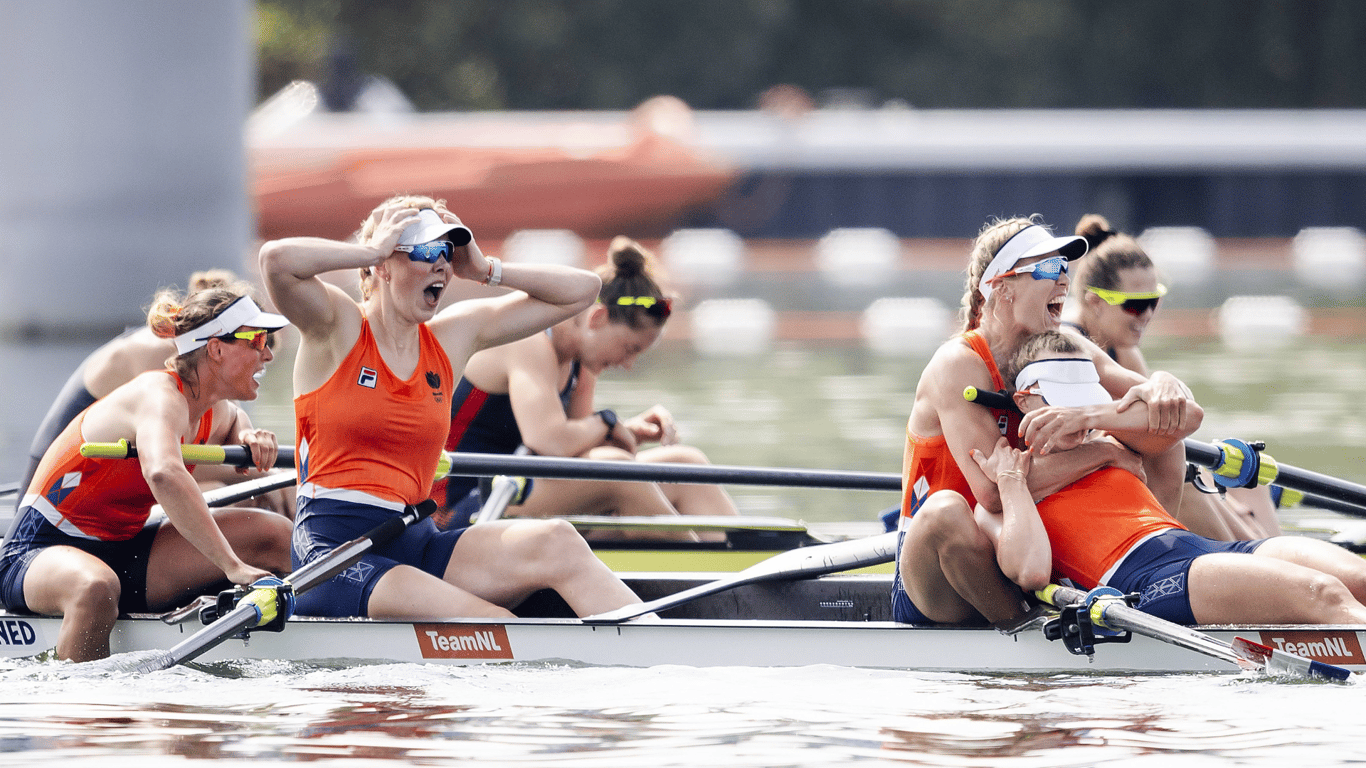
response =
{"points": [[272, 597]]}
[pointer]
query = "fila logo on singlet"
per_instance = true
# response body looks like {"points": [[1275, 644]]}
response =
{"points": [[1002, 422], [369, 376]]}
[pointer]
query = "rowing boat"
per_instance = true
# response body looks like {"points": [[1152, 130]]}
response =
{"points": [[841, 620]]}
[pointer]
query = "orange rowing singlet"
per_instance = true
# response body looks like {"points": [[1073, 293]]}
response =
{"points": [[104, 499], [365, 435], [1095, 521], [928, 466]]}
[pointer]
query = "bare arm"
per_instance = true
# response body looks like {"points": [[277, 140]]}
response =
{"points": [[1050, 429], [1022, 548], [967, 426], [533, 375], [161, 419]]}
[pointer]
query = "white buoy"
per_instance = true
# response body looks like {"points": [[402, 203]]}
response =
{"points": [[708, 257], [896, 327], [1252, 322], [1182, 254], [732, 327], [1331, 258], [858, 256], [544, 246]]}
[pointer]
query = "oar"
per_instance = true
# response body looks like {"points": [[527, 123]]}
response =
{"points": [[1112, 612], [491, 464], [488, 464], [261, 606], [234, 455], [1238, 463], [798, 563], [506, 488], [231, 494]]}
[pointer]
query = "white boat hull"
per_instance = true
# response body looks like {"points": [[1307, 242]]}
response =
{"points": [[707, 633]]}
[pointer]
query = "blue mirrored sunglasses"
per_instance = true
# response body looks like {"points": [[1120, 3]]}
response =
{"points": [[428, 252], [1048, 269]]}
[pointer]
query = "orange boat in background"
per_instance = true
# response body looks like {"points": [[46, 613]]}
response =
{"points": [[320, 173]]}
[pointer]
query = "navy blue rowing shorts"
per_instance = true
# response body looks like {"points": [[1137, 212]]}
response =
{"points": [[322, 525], [1159, 568]]}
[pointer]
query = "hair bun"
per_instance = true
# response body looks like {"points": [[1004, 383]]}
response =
{"points": [[627, 256], [1095, 229]]}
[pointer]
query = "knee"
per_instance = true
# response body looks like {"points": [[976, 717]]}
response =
{"points": [[685, 454], [94, 595], [553, 544], [1329, 593], [947, 515]]}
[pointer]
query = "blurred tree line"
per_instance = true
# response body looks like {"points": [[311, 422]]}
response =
{"points": [[722, 54]]}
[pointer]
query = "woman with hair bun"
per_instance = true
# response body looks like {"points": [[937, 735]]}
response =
{"points": [[1114, 298], [80, 546], [538, 392]]}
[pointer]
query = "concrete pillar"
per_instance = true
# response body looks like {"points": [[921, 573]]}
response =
{"points": [[122, 165]]}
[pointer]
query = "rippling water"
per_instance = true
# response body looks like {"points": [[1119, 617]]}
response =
{"points": [[666, 716]]}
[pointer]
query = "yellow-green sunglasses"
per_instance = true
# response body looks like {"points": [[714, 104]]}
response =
{"points": [[1133, 303]]}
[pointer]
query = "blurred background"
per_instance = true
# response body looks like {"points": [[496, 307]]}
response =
{"points": [[810, 173]]}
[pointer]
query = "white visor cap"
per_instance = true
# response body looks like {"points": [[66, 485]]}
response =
{"points": [[1068, 382], [430, 226], [242, 312], [1033, 240]]}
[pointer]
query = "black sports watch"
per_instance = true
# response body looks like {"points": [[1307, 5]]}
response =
{"points": [[609, 417]]}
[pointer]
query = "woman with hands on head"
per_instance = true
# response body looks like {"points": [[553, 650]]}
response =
{"points": [[373, 383], [539, 392], [1016, 286], [81, 548]]}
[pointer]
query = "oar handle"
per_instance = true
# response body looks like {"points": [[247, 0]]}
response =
{"points": [[490, 464], [233, 455]]}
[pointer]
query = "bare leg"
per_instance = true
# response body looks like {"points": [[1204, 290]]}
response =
{"points": [[553, 497], [79, 587], [690, 499], [407, 593], [505, 561], [949, 569], [177, 571], [1331, 559], [1234, 588]]}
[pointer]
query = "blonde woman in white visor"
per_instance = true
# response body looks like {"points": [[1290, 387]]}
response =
{"points": [[1016, 286], [81, 548]]}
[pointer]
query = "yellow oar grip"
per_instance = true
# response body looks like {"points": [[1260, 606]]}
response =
{"points": [[203, 454], [193, 454], [443, 465], [1266, 475], [1046, 594], [264, 598], [117, 450]]}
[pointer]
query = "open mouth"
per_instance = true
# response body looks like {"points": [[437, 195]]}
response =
{"points": [[434, 291], [1055, 306]]}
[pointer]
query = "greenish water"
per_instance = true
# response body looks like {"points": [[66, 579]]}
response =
{"points": [[840, 407]]}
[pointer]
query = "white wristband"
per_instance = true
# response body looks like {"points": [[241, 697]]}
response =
{"points": [[495, 275]]}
